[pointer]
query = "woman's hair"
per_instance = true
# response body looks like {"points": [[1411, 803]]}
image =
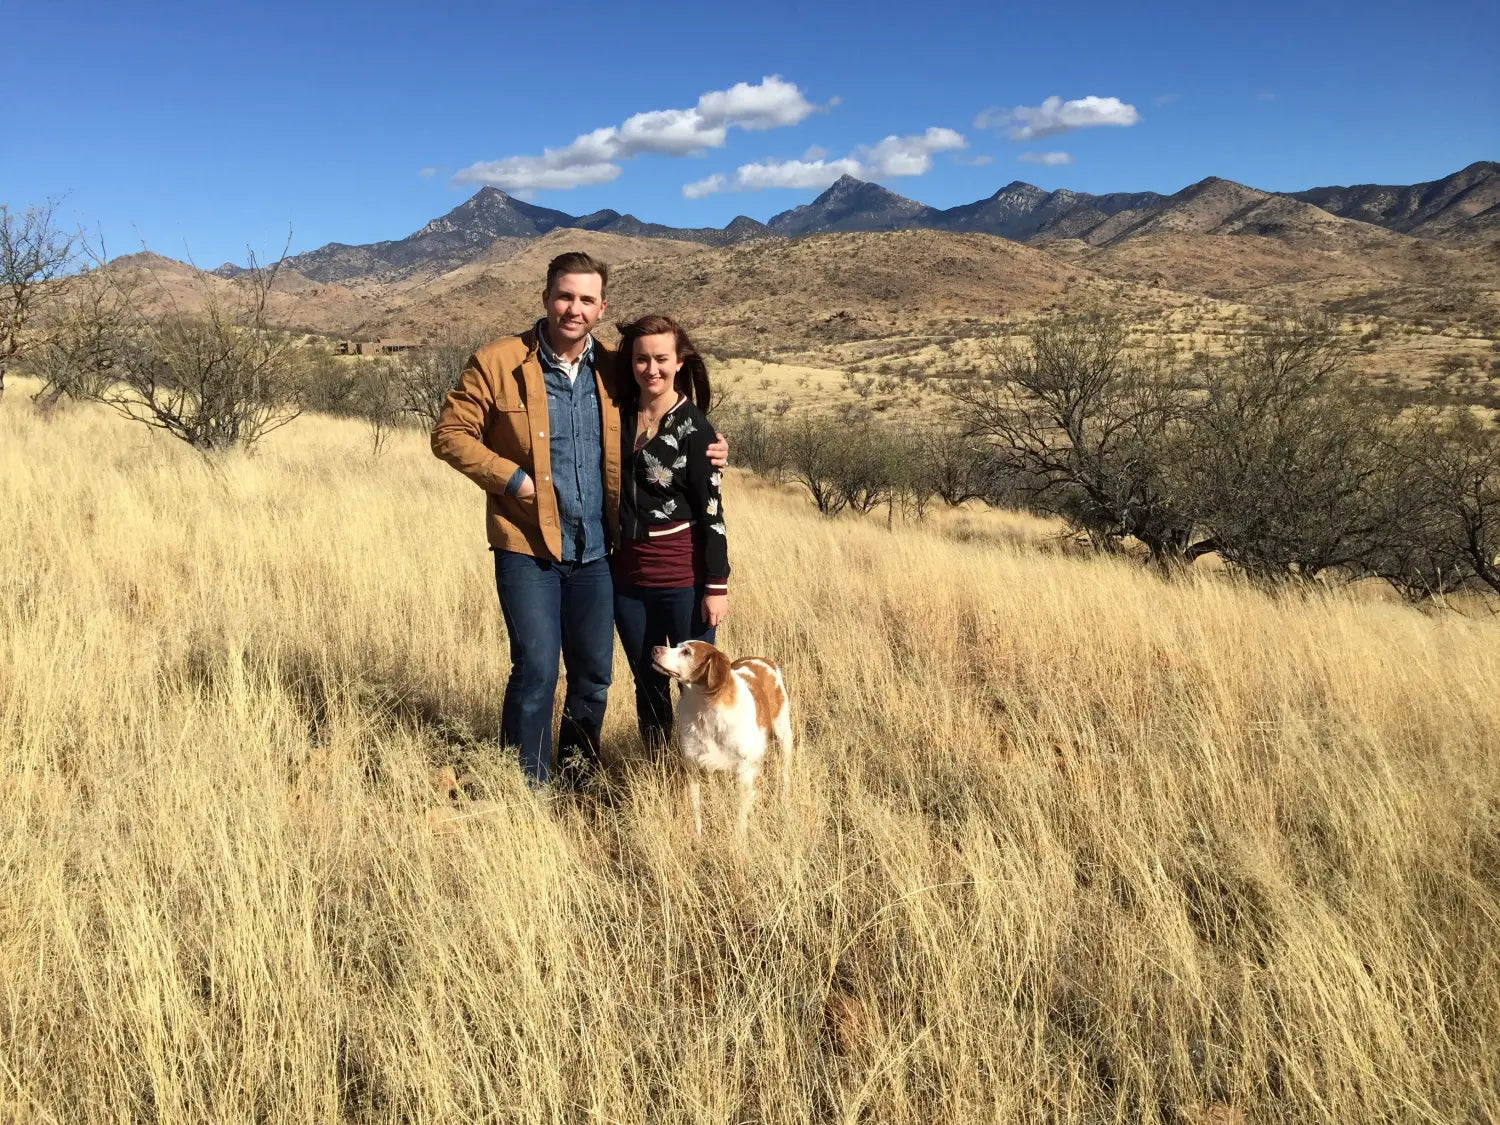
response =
{"points": [[692, 376]]}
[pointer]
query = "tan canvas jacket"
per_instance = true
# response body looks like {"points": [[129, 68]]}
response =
{"points": [[496, 420]]}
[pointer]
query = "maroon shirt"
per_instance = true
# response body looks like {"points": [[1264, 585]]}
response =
{"points": [[659, 563]]}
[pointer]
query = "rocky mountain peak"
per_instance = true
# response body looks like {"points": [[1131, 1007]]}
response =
{"points": [[849, 204]]}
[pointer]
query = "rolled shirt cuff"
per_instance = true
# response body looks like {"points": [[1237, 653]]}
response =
{"points": [[716, 586], [513, 485]]}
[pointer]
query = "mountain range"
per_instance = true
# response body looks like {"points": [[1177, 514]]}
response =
{"points": [[1462, 208]]}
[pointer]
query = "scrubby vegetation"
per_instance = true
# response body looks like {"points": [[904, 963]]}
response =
{"points": [[1067, 841], [1271, 455]]}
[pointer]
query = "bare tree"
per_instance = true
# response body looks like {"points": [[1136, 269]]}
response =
{"points": [[1287, 460], [868, 466], [378, 400], [33, 252], [811, 452], [424, 376], [959, 468], [216, 377], [1081, 427], [1445, 534], [82, 331]]}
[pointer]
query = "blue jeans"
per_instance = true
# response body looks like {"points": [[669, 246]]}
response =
{"points": [[646, 618], [552, 609]]}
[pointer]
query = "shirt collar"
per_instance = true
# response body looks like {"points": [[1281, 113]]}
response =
{"points": [[551, 358]]}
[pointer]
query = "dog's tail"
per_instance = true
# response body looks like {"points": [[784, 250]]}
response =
{"points": [[781, 728]]}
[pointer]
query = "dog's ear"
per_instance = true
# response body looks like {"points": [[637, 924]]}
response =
{"points": [[698, 669], [718, 671]]}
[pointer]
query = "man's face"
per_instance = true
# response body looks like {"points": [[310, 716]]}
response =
{"points": [[574, 304]]}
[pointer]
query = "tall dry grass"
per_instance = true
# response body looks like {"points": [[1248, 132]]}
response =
{"points": [[1067, 842]]}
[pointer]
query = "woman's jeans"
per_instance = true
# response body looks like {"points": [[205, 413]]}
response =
{"points": [[645, 618], [552, 609]]}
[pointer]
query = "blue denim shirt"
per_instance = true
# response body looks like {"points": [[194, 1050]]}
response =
{"points": [[575, 444]]}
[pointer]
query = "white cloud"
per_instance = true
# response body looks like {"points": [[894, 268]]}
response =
{"points": [[815, 152], [1165, 99], [907, 156], [770, 105], [893, 156], [427, 172], [710, 185], [789, 174], [1265, 96], [516, 174], [978, 161], [592, 158], [1054, 116], [1050, 159]]}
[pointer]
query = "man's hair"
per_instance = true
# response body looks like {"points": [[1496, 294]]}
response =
{"points": [[576, 261]]}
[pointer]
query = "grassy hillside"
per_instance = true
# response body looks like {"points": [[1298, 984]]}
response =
{"points": [[1066, 842], [918, 303]]}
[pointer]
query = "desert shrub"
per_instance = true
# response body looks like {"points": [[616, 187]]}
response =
{"points": [[1287, 461], [1445, 532], [34, 252], [752, 438], [81, 333], [956, 467], [810, 450], [1082, 428], [1455, 364], [423, 376], [871, 465], [379, 401], [217, 378], [330, 384]]}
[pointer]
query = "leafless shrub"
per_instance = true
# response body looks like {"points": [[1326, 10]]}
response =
{"points": [[217, 377], [750, 437], [378, 400], [868, 468], [1083, 428], [810, 450], [1287, 461], [957, 467], [424, 376], [82, 330], [1445, 534], [34, 252], [330, 382]]}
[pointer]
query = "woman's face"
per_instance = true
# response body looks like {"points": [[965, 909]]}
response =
{"points": [[654, 359]]}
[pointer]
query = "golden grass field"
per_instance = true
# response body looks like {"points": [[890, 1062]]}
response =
{"points": [[1067, 842]]}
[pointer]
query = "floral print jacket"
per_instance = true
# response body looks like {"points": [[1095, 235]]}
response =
{"points": [[668, 486]]}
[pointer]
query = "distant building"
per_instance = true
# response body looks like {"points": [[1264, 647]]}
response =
{"points": [[374, 347]]}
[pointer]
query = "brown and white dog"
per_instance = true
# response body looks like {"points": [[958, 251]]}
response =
{"points": [[726, 716]]}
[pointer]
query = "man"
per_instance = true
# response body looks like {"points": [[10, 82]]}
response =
{"points": [[535, 422]]}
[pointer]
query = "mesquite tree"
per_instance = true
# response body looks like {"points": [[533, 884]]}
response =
{"points": [[1080, 425], [33, 252], [216, 376]]}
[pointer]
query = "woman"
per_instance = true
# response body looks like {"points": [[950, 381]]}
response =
{"points": [[671, 567]]}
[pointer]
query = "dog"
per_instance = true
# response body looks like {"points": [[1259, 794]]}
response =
{"points": [[726, 717]]}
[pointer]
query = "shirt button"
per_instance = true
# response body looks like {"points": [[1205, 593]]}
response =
{"points": [[541, 433], [546, 478]]}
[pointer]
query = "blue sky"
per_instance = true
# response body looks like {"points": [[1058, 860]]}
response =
{"points": [[202, 128]]}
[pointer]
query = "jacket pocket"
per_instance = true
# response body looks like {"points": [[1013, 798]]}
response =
{"points": [[510, 435], [520, 510]]}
